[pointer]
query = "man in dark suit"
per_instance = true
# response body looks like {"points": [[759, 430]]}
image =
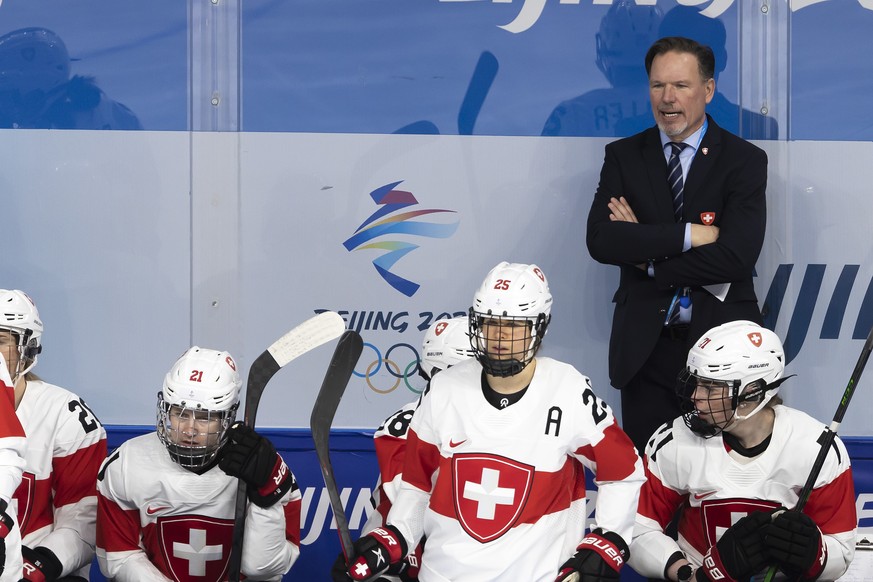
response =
{"points": [[686, 247]]}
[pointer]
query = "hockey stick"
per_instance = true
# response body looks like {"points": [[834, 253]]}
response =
{"points": [[826, 440], [480, 84], [342, 364], [305, 337]]}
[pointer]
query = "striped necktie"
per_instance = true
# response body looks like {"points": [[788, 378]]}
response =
{"points": [[674, 178], [677, 187]]}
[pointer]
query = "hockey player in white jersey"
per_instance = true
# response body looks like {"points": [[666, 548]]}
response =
{"points": [[446, 343], [57, 499], [12, 447], [495, 453], [167, 498], [732, 464]]}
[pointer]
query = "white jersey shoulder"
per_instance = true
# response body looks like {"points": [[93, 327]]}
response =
{"points": [[57, 423], [687, 463]]}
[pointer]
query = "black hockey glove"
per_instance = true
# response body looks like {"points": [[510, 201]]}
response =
{"points": [[794, 542], [739, 553], [407, 569], [376, 552], [40, 565], [598, 558], [339, 572], [253, 459]]}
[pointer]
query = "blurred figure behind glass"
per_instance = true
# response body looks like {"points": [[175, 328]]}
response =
{"points": [[37, 90], [626, 33]]}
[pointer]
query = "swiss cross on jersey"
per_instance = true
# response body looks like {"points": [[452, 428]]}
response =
{"points": [[195, 548], [720, 514], [490, 492]]}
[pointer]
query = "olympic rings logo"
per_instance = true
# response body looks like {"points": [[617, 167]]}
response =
{"points": [[392, 367]]}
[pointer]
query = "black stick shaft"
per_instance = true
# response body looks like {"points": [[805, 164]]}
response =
{"points": [[260, 373], [826, 440], [340, 370]]}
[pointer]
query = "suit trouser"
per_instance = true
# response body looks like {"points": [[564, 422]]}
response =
{"points": [[649, 399]]}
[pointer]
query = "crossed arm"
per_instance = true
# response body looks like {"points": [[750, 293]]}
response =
{"points": [[621, 211]]}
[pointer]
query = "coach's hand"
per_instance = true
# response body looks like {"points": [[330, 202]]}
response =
{"points": [[739, 553], [253, 458], [794, 542], [598, 558]]}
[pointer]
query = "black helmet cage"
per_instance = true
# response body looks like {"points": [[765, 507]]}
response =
{"points": [[688, 382], [195, 457], [686, 386], [518, 360], [28, 348]]}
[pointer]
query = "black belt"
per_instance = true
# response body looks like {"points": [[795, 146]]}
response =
{"points": [[675, 332]]}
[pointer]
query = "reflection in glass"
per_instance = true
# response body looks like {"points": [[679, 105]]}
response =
{"points": [[38, 91], [626, 33]]}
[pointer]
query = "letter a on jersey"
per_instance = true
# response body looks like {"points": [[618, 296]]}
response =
{"points": [[490, 493]]}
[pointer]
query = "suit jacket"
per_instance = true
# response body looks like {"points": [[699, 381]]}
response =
{"points": [[727, 178]]}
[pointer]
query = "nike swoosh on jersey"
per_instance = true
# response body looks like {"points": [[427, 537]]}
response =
{"points": [[453, 444], [703, 495], [153, 510]]}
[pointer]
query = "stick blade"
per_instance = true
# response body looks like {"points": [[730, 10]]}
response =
{"points": [[310, 334], [307, 336]]}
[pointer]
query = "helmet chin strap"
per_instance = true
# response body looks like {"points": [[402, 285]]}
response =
{"points": [[701, 427], [19, 372], [501, 368], [22, 373]]}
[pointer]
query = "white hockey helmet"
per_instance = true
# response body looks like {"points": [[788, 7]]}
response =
{"points": [[446, 343], [744, 362], [18, 315], [197, 405], [511, 293]]}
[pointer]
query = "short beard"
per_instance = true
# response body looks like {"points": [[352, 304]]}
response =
{"points": [[674, 132]]}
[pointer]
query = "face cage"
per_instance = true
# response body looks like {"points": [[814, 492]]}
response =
{"points": [[193, 457], [26, 353], [512, 362], [712, 406]]}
